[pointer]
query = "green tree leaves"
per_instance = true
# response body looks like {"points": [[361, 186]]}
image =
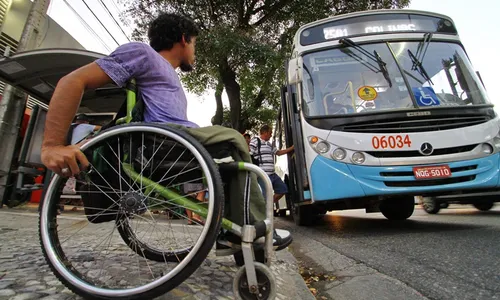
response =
{"points": [[243, 46]]}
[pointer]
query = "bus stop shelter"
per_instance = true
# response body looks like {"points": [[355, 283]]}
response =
{"points": [[37, 73]]}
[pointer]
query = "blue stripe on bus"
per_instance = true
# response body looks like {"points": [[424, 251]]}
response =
{"points": [[334, 180]]}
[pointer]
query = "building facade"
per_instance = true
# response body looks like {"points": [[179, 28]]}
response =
{"points": [[13, 17]]}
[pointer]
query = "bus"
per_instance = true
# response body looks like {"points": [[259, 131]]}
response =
{"points": [[383, 106]]}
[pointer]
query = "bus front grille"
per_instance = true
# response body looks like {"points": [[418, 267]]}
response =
{"points": [[431, 182], [442, 151], [414, 125], [410, 173]]}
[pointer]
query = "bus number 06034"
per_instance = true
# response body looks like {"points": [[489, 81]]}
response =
{"points": [[391, 142]]}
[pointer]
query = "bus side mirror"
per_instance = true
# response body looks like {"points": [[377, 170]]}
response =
{"points": [[295, 70]]}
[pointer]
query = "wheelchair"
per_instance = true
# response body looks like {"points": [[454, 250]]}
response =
{"points": [[121, 248]]}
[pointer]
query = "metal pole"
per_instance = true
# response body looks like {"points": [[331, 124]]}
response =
{"points": [[13, 103]]}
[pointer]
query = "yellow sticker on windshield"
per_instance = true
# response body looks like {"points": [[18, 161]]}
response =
{"points": [[367, 93]]}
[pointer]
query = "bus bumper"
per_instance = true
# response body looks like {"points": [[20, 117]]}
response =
{"points": [[332, 180]]}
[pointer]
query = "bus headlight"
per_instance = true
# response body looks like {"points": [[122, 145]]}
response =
{"points": [[496, 141], [486, 148], [358, 158], [339, 154], [322, 147]]}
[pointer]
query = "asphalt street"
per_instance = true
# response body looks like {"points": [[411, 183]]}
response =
{"points": [[452, 255]]}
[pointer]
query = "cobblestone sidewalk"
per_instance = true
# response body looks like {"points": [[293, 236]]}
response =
{"points": [[25, 275]]}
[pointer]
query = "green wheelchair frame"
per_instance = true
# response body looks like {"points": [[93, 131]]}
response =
{"points": [[248, 233]]}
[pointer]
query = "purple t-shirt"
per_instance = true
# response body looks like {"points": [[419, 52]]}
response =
{"points": [[158, 83]]}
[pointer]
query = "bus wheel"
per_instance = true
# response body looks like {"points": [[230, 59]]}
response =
{"points": [[303, 215], [397, 209], [430, 205], [483, 206]]}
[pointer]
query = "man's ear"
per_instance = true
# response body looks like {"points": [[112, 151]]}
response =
{"points": [[183, 41]]}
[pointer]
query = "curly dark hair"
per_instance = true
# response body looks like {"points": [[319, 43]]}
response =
{"points": [[168, 29]]}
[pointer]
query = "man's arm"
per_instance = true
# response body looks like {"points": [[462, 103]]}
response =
{"points": [[66, 100], [127, 61], [252, 147], [62, 109], [284, 151]]}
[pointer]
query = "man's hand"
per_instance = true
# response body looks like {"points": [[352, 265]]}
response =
{"points": [[64, 160], [285, 151]]}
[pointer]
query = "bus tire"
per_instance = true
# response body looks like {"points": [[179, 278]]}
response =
{"points": [[483, 206], [303, 215], [397, 209], [430, 205]]}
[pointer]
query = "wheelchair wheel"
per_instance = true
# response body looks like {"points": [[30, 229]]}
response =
{"points": [[128, 235], [266, 284], [113, 245]]}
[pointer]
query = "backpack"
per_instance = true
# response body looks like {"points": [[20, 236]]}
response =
{"points": [[256, 161]]}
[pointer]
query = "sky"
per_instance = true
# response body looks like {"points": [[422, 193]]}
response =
{"points": [[477, 22]]}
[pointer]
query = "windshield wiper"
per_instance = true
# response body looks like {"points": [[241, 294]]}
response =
{"points": [[374, 57], [383, 66], [423, 46], [418, 58]]}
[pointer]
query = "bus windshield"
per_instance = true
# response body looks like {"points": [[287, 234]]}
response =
{"points": [[349, 80]]}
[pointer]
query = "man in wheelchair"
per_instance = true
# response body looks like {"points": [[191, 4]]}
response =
{"points": [[153, 67]]}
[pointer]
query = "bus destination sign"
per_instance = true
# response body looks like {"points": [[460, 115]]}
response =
{"points": [[375, 24], [343, 31]]}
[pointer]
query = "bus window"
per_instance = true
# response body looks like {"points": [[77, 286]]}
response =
{"points": [[344, 81], [446, 76]]}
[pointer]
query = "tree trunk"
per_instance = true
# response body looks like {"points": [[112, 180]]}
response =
{"points": [[219, 113], [232, 87]]}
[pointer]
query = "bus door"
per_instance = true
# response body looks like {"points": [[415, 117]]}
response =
{"points": [[293, 136]]}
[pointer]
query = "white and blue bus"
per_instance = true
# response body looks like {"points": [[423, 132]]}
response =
{"points": [[383, 106]]}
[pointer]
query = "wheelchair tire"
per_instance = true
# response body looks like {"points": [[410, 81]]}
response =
{"points": [[267, 286], [65, 259], [128, 236]]}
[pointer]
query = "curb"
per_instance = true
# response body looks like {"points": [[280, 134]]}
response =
{"points": [[291, 285], [352, 279]]}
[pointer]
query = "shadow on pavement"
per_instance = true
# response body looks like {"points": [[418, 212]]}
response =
{"points": [[337, 225]]}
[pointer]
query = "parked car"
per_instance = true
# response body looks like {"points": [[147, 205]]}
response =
{"points": [[483, 201]]}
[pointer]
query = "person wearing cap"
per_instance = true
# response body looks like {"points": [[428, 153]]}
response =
{"points": [[81, 128]]}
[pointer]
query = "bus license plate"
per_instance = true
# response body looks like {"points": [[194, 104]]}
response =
{"points": [[432, 172]]}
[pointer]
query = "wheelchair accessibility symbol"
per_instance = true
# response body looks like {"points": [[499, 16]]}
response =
{"points": [[426, 96]]}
